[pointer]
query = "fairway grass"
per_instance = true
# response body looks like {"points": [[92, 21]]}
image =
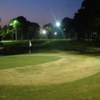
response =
{"points": [[84, 89], [68, 77], [24, 60]]}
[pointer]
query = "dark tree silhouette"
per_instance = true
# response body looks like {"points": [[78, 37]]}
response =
{"points": [[5, 34], [68, 27], [22, 27], [50, 30], [25, 29], [33, 30], [87, 20], [0, 33]]}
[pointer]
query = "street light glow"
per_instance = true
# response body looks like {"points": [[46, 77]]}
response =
{"points": [[55, 33], [58, 24], [44, 32], [15, 22]]}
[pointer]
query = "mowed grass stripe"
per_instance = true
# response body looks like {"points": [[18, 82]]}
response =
{"points": [[67, 69], [24, 60], [82, 89]]}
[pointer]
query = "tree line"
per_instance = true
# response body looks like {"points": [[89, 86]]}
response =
{"points": [[20, 28], [87, 20], [85, 25]]}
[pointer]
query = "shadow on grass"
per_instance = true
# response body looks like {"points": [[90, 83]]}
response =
{"points": [[38, 46], [74, 47]]}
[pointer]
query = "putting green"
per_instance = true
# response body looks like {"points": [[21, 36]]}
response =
{"points": [[25, 60], [68, 68]]}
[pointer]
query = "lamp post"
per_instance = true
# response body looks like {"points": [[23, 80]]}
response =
{"points": [[15, 24], [59, 28]]}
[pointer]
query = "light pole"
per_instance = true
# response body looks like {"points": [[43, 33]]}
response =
{"points": [[58, 27], [15, 24]]}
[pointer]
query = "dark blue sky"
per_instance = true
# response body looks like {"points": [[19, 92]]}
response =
{"points": [[41, 11]]}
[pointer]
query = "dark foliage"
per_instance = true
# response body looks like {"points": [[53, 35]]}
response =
{"points": [[87, 20]]}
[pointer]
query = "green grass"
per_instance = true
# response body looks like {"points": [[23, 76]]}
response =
{"points": [[84, 89], [85, 56], [24, 60]]}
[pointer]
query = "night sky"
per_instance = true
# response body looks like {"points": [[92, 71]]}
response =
{"points": [[41, 11]]}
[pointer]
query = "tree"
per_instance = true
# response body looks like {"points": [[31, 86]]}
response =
{"points": [[0, 34], [68, 27], [87, 19], [50, 30], [24, 29], [33, 30], [81, 24], [19, 25], [5, 33]]}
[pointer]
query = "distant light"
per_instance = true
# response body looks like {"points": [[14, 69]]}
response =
{"points": [[58, 24], [44, 32], [15, 22], [55, 33]]}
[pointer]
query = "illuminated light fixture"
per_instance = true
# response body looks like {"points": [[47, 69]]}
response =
{"points": [[44, 32], [14, 23], [58, 24], [55, 33]]}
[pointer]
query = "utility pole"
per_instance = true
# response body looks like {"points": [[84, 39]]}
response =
{"points": [[16, 34]]}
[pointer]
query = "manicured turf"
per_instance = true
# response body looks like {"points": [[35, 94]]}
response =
{"points": [[24, 60], [85, 89], [72, 74], [74, 77]]}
